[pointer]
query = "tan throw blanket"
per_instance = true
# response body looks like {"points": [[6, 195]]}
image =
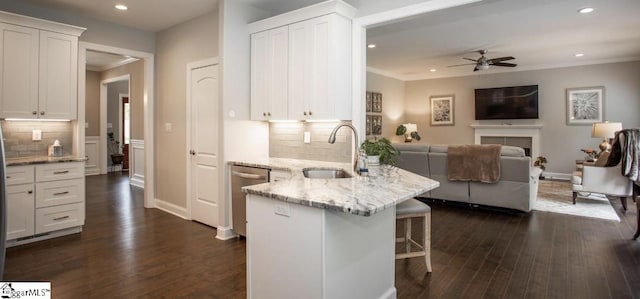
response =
{"points": [[474, 162]]}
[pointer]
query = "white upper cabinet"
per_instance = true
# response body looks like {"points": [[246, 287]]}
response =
{"points": [[302, 71], [39, 68], [320, 69], [269, 59], [19, 65]]}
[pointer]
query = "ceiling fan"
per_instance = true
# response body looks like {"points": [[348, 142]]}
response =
{"points": [[483, 63]]}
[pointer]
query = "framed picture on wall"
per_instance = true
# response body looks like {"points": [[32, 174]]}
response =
{"points": [[369, 124], [376, 102], [442, 110], [585, 105], [376, 124], [369, 101]]}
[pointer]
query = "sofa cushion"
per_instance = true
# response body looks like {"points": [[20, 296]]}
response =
{"points": [[512, 151], [411, 147], [507, 150]]}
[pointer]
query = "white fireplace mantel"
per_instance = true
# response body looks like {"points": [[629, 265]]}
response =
{"points": [[524, 130]]}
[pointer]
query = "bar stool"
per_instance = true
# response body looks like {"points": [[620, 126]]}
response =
{"points": [[409, 210]]}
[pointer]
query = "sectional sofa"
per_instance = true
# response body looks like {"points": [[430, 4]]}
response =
{"points": [[516, 189]]}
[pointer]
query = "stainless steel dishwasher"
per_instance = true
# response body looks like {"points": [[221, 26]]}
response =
{"points": [[243, 176]]}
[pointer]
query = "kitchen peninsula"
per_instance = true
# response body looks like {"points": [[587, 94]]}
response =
{"points": [[325, 238]]}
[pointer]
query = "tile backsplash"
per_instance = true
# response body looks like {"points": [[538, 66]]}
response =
{"points": [[18, 143], [286, 141]]}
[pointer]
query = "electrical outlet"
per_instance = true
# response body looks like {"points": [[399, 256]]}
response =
{"points": [[36, 135], [282, 209], [307, 137], [168, 127]]}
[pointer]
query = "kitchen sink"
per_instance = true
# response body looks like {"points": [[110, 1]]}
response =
{"points": [[325, 173]]}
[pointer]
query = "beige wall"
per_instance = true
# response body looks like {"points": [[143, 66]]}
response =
{"points": [[393, 113], [191, 41], [92, 103], [136, 72], [560, 143]]}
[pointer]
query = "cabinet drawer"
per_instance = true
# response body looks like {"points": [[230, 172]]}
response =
{"points": [[59, 217], [59, 192], [19, 175], [59, 171]]}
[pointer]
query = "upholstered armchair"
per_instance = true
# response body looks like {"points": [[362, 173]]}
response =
{"points": [[603, 180]]}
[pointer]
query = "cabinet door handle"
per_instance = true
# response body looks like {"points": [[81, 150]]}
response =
{"points": [[8, 176], [60, 218], [34, 112], [310, 113], [61, 172], [41, 112], [268, 113], [305, 113], [30, 191], [264, 114], [61, 193]]}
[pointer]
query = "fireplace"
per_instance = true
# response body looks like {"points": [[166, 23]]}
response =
{"points": [[524, 136]]}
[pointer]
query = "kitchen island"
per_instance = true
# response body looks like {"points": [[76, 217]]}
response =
{"points": [[325, 238]]}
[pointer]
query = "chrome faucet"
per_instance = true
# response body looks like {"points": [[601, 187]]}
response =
{"points": [[332, 140]]}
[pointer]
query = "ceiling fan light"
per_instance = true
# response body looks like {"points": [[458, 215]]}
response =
{"points": [[483, 66]]}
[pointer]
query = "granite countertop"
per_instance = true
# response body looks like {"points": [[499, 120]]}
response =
{"points": [[385, 187], [42, 160]]}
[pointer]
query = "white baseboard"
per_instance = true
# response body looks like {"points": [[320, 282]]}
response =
{"points": [[557, 176], [225, 233], [390, 293], [137, 181], [172, 209]]}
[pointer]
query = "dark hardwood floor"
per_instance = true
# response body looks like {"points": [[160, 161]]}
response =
{"points": [[126, 250]]}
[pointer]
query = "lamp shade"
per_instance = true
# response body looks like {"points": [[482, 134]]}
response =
{"points": [[411, 128], [605, 129]]}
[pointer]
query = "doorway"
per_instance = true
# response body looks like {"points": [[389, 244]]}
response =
{"points": [[146, 153]]}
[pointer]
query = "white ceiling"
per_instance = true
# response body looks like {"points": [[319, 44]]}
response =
{"points": [[150, 15], [99, 61], [538, 33]]}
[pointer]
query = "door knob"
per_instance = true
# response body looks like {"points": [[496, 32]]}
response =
{"points": [[41, 112], [192, 152]]}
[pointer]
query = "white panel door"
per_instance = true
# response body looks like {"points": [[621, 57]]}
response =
{"points": [[321, 93], [204, 145], [58, 76], [19, 71], [279, 57], [260, 67], [298, 71]]}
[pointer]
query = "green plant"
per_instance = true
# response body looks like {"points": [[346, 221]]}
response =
{"points": [[401, 130], [539, 162], [381, 147]]}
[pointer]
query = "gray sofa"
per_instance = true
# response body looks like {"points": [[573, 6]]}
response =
{"points": [[516, 189]]}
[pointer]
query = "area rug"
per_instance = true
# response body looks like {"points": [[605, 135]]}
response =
{"points": [[556, 197]]}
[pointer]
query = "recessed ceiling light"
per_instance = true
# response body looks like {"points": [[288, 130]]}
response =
{"points": [[586, 10], [371, 46], [121, 7], [432, 70], [579, 54]]}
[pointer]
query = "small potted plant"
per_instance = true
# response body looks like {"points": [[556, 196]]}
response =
{"points": [[539, 162], [382, 148], [408, 136], [114, 149]]}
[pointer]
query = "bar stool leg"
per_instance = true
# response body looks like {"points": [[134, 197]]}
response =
{"points": [[427, 241], [407, 235]]}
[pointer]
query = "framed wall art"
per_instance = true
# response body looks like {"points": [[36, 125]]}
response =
{"points": [[376, 105], [369, 99], [585, 105], [442, 110], [369, 123], [376, 124]]}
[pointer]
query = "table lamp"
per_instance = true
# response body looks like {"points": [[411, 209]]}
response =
{"points": [[606, 131], [410, 129]]}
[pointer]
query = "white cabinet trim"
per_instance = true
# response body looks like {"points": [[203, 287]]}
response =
{"points": [[92, 150]]}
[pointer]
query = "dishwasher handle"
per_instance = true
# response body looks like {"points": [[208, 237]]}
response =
{"points": [[250, 176]]}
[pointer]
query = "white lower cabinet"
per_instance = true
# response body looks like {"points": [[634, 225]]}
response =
{"points": [[20, 207], [44, 198]]}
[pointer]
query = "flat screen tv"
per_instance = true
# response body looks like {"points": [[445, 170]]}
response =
{"points": [[516, 102]]}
